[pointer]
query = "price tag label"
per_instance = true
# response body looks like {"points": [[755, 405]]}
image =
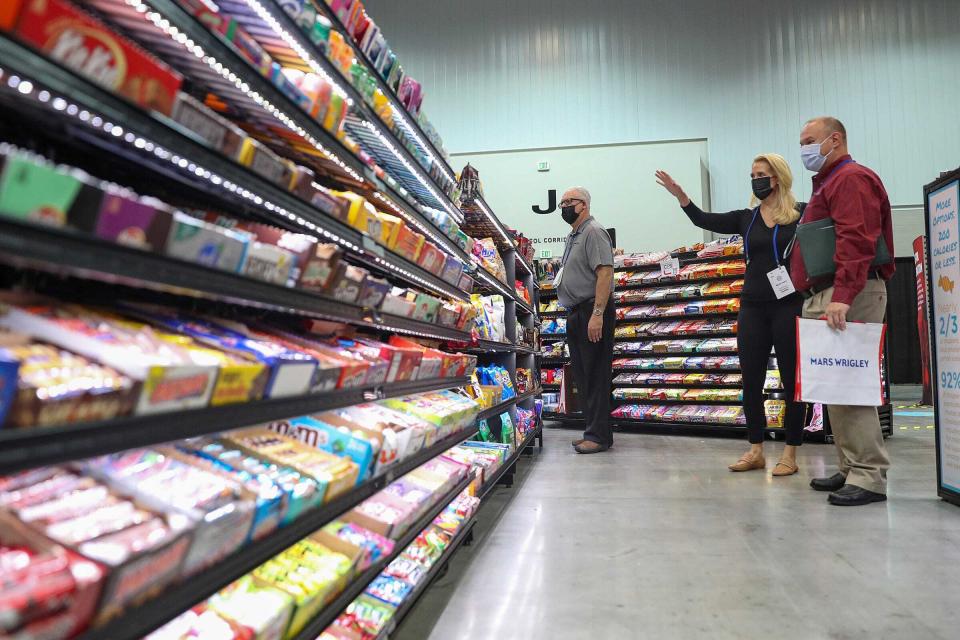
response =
{"points": [[669, 267], [372, 247]]}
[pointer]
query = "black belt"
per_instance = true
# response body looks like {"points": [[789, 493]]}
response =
{"points": [[823, 285]]}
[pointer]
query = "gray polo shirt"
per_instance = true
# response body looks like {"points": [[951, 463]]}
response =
{"points": [[586, 249]]}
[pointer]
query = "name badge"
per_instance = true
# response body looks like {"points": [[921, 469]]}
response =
{"points": [[556, 278], [781, 282]]}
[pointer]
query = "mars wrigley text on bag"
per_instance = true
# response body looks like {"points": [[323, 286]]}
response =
{"points": [[839, 367]]}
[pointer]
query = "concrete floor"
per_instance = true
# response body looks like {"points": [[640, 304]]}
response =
{"points": [[656, 539]]}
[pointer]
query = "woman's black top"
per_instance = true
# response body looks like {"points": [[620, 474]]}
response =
{"points": [[756, 286]]}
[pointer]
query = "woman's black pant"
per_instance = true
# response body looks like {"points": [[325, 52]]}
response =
{"points": [[760, 326]]}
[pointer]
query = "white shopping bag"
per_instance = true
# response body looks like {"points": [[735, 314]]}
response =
{"points": [[839, 367]]}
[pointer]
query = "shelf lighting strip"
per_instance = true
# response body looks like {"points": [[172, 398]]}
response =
{"points": [[445, 201], [441, 242], [27, 87], [185, 41], [494, 283], [274, 24], [493, 220]]}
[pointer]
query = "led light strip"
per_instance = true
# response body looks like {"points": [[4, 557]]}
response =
{"points": [[493, 282], [412, 131], [418, 174], [274, 24], [92, 119], [26, 87], [493, 219], [181, 38], [444, 243]]}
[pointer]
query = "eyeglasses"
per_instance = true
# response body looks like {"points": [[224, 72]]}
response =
{"points": [[570, 201]]}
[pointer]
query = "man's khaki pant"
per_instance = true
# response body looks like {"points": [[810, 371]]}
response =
{"points": [[856, 430]]}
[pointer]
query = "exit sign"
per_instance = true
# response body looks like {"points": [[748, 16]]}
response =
{"points": [[546, 254], [543, 165]]}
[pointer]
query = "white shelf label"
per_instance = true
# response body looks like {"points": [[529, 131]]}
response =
{"points": [[669, 267]]}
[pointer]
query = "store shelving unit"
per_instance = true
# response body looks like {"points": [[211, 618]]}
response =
{"points": [[464, 536], [47, 107], [26, 448], [330, 612], [175, 600]]}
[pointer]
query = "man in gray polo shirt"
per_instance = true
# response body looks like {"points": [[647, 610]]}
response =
{"points": [[585, 288]]}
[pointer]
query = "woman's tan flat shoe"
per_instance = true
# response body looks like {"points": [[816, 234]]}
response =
{"points": [[785, 468], [746, 463]]}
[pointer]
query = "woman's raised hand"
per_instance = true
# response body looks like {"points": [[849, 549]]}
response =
{"points": [[665, 181]]}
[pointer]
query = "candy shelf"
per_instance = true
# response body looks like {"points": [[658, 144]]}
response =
{"points": [[330, 612], [551, 387], [636, 303], [491, 346], [553, 336], [497, 409], [677, 282], [576, 416], [552, 314], [34, 447], [506, 469], [463, 536], [161, 146], [177, 599], [523, 349], [276, 31], [406, 121], [63, 251]]}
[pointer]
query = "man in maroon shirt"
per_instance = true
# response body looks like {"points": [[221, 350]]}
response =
{"points": [[854, 197]]}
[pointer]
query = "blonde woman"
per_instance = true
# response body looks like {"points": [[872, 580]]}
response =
{"points": [[767, 315]]}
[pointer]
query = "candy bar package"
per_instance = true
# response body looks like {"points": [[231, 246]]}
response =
{"points": [[46, 591], [264, 162], [310, 573], [197, 241], [200, 621], [127, 219], [47, 386], [403, 434], [138, 547], [76, 39], [218, 132], [35, 190], [374, 546], [220, 510], [169, 377], [334, 474], [268, 263], [330, 433], [290, 371]]}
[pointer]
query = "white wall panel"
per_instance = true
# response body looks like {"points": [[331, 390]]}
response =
{"points": [[744, 74]]}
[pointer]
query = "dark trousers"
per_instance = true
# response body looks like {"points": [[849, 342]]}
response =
{"points": [[592, 364], [760, 326]]}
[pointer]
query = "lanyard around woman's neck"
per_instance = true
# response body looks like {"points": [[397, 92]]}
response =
{"points": [[746, 239]]}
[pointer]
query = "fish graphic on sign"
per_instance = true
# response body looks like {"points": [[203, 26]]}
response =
{"points": [[946, 284]]}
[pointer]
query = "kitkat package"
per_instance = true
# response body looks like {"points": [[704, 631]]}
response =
{"points": [[74, 38]]}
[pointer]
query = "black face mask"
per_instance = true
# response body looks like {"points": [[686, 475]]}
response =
{"points": [[569, 214], [761, 187]]}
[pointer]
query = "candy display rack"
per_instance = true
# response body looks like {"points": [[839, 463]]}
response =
{"points": [[290, 174], [675, 362]]}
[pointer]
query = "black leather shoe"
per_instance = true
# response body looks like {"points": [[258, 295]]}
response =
{"points": [[854, 496], [833, 483]]}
